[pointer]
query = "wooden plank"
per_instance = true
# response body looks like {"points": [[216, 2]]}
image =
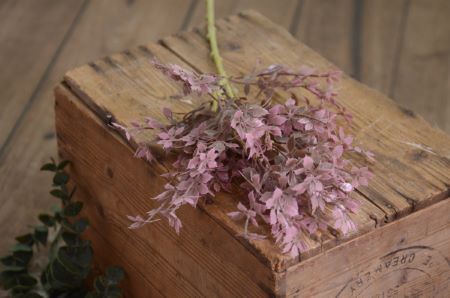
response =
{"points": [[281, 12], [147, 96], [138, 90], [105, 26], [103, 166], [31, 33], [409, 256], [422, 77], [381, 32], [204, 258], [406, 258], [413, 158], [328, 27]]}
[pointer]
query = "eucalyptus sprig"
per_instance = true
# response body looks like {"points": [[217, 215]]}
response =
{"points": [[69, 256]]}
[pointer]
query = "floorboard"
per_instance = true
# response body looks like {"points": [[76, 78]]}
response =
{"points": [[421, 81], [31, 34]]}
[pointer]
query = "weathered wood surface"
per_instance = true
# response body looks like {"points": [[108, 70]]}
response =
{"points": [[412, 173], [124, 185], [405, 258], [29, 43], [37, 30], [412, 168]]}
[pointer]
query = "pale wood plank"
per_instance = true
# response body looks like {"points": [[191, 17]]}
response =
{"points": [[328, 27], [31, 32], [382, 31], [138, 90], [404, 180], [423, 67], [106, 26], [281, 12], [407, 176]]}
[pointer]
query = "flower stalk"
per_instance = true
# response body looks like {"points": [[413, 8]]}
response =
{"points": [[215, 54]]}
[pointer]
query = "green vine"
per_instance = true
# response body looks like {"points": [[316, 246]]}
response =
{"points": [[215, 54], [69, 256]]}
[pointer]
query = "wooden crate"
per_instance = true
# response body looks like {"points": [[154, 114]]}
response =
{"points": [[401, 248]]}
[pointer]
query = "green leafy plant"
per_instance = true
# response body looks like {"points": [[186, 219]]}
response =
{"points": [[69, 256]]}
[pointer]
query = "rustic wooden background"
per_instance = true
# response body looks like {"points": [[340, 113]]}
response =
{"points": [[400, 47]]}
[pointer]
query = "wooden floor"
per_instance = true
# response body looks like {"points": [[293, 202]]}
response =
{"points": [[400, 47]]}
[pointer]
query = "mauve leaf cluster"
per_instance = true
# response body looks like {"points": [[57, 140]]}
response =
{"points": [[290, 159]]}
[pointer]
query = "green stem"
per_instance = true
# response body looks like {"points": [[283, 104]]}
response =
{"points": [[215, 55]]}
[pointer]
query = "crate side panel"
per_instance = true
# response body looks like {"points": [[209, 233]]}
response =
{"points": [[406, 258], [205, 258]]}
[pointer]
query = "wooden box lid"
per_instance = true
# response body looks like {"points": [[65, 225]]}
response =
{"points": [[412, 168]]}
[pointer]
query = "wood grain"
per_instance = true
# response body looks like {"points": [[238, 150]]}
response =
{"points": [[412, 168], [104, 27], [403, 180], [381, 32], [401, 185], [204, 258], [282, 12], [424, 62], [412, 172], [409, 256], [372, 265], [139, 91], [327, 27], [24, 57]]}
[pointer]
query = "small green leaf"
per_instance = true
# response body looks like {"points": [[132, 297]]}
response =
{"points": [[18, 260], [13, 264], [26, 239], [61, 277], [60, 178], [20, 247], [41, 234], [72, 239], [63, 164], [81, 255], [59, 194], [81, 225], [55, 208], [18, 282], [73, 209], [76, 227], [49, 167], [47, 220], [114, 274], [76, 260]]}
